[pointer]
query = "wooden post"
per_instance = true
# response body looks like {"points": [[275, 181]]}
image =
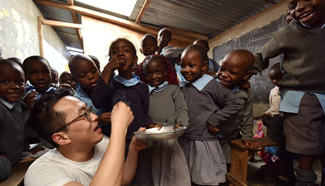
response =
{"points": [[143, 9], [40, 35]]}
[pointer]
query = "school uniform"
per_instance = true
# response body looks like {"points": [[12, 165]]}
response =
{"points": [[13, 142], [208, 102], [239, 126], [302, 85], [168, 164]]}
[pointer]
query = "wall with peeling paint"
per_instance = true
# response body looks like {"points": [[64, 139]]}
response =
{"points": [[19, 34]]}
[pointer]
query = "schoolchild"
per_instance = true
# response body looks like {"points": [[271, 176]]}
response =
{"points": [[302, 87], [209, 103], [85, 73], [13, 115], [167, 107]]}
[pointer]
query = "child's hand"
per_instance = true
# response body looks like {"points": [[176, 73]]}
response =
{"points": [[213, 130], [104, 117], [253, 145], [158, 125], [136, 144], [113, 64], [30, 99], [177, 125]]}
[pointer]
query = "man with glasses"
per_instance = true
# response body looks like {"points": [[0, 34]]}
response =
{"points": [[82, 155]]}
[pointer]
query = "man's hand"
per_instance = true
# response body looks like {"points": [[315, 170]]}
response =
{"points": [[122, 115], [213, 130], [136, 144]]}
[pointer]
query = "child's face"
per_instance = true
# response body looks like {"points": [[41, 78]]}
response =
{"points": [[192, 66], [67, 79], [275, 76], [149, 46], [123, 52], [155, 73], [232, 71], [86, 74], [39, 75], [12, 83], [164, 38], [308, 12]]}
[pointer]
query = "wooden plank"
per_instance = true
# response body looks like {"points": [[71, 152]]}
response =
{"points": [[40, 35], [112, 19], [191, 34], [143, 9], [239, 162], [75, 20], [264, 142], [235, 181], [61, 24]]}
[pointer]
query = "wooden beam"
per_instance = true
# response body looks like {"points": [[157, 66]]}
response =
{"points": [[111, 19], [40, 35], [143, 9], [61, 24], [187, 33], [75, 20]]}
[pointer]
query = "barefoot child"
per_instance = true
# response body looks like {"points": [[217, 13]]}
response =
{"points": [[208, 103]]}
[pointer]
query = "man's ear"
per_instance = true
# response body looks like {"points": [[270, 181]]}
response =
{"points": [[61, 138]]}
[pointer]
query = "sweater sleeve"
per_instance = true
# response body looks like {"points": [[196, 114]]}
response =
{"points": [[270, 50], [146, 118], [102, 94], [181, 114], [247, 121], [230, 105]]}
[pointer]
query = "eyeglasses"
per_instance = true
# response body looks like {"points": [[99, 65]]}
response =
{"points": [[86, 115]]}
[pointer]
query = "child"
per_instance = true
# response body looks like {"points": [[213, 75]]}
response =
{"points": [[85, 73], [55, 77], [164, 37], [208, 103], [38, 73], [166, 105], [125, 86], [13, 115], [213, 66], [96, 61], [302, 85], [67, 81], [275, 75], [234, 73], [149, 47]]}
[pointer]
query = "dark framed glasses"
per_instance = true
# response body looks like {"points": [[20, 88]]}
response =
{"points": [[85, 115]]}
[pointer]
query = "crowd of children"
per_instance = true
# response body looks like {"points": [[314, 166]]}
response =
{"points": [[175, 87]]}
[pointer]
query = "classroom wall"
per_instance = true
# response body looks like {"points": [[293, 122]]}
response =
{"points": [[251, 35], [19, 34], [98, 35]]}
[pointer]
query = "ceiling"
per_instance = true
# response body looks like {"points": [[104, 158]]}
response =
{"points": [[206, 17]]}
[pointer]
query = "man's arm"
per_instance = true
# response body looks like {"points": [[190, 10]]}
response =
{"points": [[131, 162]]}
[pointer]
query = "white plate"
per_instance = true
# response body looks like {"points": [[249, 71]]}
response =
{"points": [[154, 134]]}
